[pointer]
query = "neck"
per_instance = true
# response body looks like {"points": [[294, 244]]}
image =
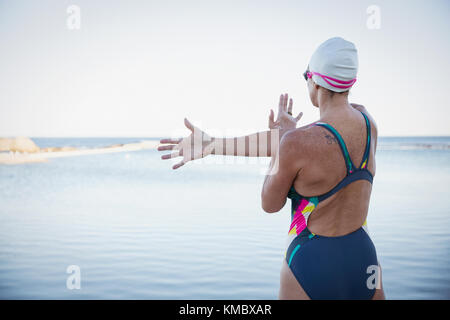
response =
{"points": [[329, 104]]}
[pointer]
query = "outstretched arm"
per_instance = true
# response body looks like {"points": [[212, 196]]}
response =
{"points": [[261, 144], [265, 143], [199, 145]]}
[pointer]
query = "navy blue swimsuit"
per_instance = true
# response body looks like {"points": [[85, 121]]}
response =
{"points": [[332, 267]]}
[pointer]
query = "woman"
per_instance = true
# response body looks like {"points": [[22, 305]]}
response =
{"points": [[326, 168]]}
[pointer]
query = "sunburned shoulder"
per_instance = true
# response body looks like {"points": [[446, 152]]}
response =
{"points": [[300, 138], [299, 145]]}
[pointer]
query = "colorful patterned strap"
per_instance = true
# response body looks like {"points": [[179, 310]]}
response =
{"points": [[353, 174], [365, 158], [348, 161]]}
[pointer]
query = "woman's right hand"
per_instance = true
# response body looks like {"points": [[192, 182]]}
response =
{"points": [[285, 121], [195, 146]]}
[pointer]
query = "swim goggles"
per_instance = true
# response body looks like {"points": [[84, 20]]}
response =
{"points": [[344, 84]]}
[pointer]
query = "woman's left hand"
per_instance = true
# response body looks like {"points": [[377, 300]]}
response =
{"points": [[195, 146], [285, 121]]}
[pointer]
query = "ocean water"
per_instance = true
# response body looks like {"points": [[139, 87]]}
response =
{"points": [[139, 230]]}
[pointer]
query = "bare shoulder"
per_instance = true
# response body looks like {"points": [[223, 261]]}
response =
{"points": [[373, 124], [300, 140], [296, 146], [364, 110], [292, 140], [301, 135]]}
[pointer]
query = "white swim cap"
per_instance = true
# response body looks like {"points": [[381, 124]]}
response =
{"points": [[334, 65]]}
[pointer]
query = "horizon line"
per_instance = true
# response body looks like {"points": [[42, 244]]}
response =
{"points": [[167, 136]]}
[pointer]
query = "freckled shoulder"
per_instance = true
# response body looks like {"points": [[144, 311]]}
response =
{"points": [[312, 134], [302, 141]]}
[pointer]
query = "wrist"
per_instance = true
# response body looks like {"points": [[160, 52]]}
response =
{"points": [[283, 131]]}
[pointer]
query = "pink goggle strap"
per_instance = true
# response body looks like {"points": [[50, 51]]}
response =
{"points": [[347, 84]]}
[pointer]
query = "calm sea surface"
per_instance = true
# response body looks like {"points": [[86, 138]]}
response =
{"points": [[139, 230]]}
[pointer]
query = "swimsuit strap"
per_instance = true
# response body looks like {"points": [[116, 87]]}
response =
{"points": [[353, 173], [348, 161], [359, 174], [365, 158]]}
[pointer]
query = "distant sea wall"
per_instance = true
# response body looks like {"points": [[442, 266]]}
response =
{"points": [[23, 150]]}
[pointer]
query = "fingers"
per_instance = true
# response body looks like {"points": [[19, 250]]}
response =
{"points": [[272, 123], [167, 147], [290, 106], [280, 105], [179, 164], [171, 141], [171, 155], [299, 116], [271, 118], [189, 125]]}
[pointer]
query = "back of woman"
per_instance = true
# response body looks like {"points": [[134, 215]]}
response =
{"points": [[329, 253], [347, 209], [326, 169]]}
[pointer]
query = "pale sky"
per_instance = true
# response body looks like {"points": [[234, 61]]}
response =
{"points": [[137, 68]]}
